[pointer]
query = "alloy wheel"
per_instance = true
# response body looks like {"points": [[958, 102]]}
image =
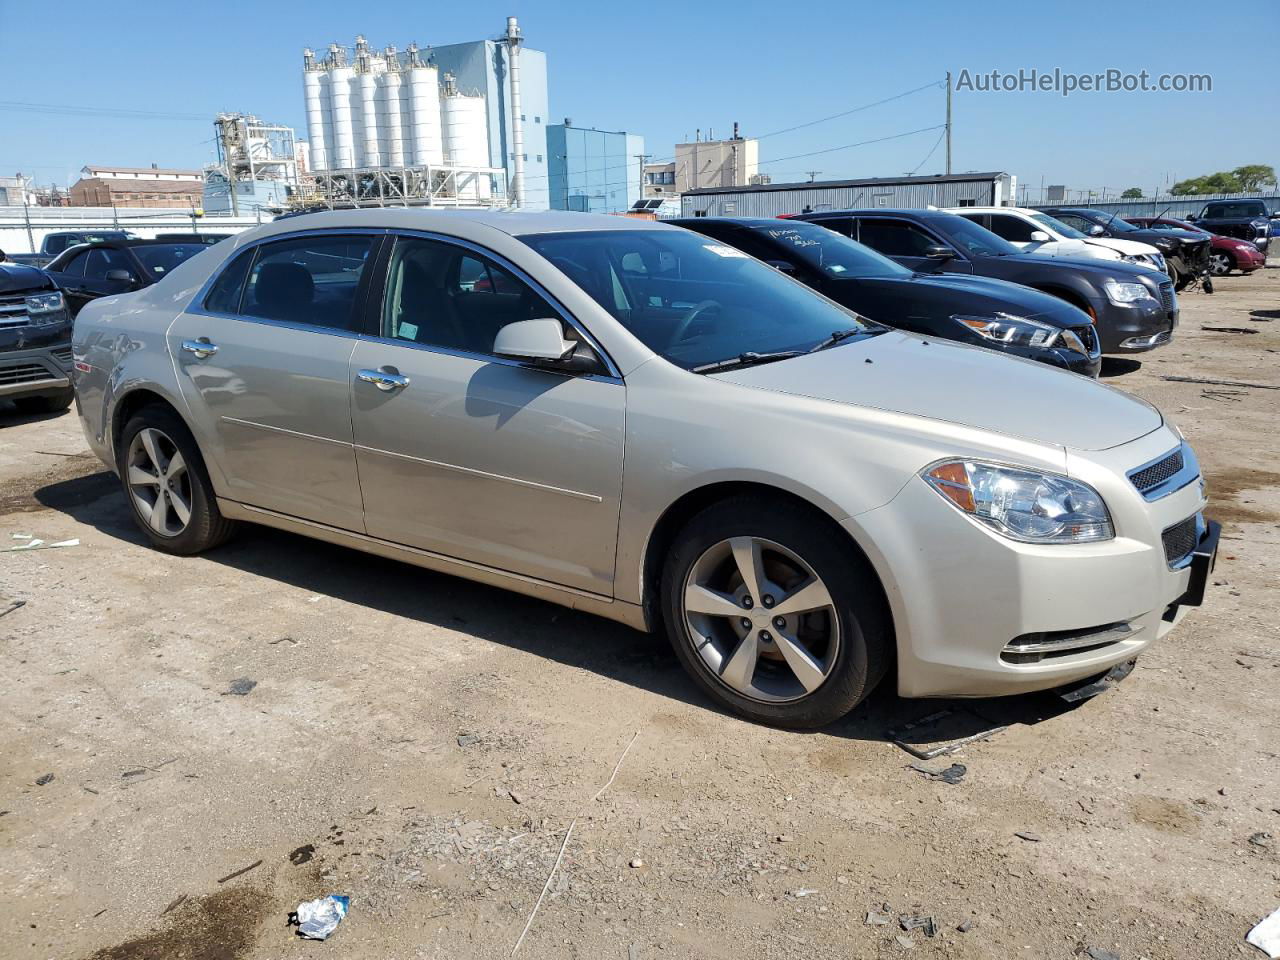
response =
{"points": [[761, 619], [159, 482], [1219, 264]]}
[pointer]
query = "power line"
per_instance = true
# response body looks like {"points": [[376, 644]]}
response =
{"points": [[929, 154], [67, 109], [850, 146], [845, 113]]}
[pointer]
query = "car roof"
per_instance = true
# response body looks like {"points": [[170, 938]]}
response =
{"points": [[881, 212], [730, 221], [515, 223]]}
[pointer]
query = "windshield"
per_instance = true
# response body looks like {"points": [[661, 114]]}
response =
{"points": [[1071, 233], [833, 254], [975, 240], [1118, 224], [160, 258], [690, 299]]}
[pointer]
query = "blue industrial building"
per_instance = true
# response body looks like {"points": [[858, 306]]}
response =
{"points": [[593, 171], [481, 66]]}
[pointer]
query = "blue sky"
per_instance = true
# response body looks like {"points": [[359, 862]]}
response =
{"points": [[664, 69]]}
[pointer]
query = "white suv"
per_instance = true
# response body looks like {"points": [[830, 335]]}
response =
{"points": [[1039, 233]]}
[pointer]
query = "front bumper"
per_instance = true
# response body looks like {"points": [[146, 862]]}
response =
{"points": [[35, 372], [1136, 327], [965, 599]]}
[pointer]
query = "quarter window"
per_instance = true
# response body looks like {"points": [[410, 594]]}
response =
{"points": [[309, 280], [442, 295], [1011, 228], [224, 295]]}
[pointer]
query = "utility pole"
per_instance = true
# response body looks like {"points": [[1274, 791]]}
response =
{"points": [[642, 157], [26, 212], [948, 123], [812, 174]]}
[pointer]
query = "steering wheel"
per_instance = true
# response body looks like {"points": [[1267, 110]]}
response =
{"points": [[686, 321]]}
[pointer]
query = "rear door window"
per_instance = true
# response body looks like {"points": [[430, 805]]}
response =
{"points": [[1011, 228], [308, 280], [103, 259], [895, 238]]}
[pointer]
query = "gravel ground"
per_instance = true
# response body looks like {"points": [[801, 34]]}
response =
{"points": [[422, 744]]}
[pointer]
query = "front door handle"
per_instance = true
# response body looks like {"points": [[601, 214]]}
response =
{"points": [[382, 379], [201, 348]]}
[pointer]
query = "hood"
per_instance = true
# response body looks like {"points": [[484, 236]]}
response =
{"points": [[973, 294], [1130, 248], [15, 278], [973, 386]]}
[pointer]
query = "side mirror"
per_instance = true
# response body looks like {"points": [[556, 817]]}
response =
{"points": [[1039, 236], [536, 340], [782, 266], [1096, 230], [939, 251], [119, 276]]}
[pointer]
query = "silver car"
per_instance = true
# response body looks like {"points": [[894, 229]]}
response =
{"points": [[631, 419]]}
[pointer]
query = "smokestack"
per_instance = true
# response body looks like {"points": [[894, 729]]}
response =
{"points": [[513, 40], [735, 131]]}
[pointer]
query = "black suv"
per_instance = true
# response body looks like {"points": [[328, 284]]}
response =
{"points": [[1133, 308], [35, 340], [988, 313], [108, 267], [1186, 254]]}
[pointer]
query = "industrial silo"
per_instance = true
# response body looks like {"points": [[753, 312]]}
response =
{"points": [[424, 108], [317, 114], [365, 118], [466, 138], [391, 118], [343, 153]]}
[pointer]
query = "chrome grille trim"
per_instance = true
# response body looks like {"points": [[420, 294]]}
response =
{"points": [[1166, 474]]}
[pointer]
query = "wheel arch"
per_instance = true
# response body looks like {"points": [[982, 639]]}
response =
{"points": [[145, 395], [1069, 294], [692, 502]]}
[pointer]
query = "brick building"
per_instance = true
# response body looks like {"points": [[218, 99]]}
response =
{"points": [[137, 187]]}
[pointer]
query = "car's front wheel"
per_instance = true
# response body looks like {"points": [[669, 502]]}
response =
{"points": [[166, 484], [776, 615], [1221, 263]]}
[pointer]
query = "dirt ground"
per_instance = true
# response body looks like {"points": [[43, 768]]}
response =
{"points": [[422, 744]]}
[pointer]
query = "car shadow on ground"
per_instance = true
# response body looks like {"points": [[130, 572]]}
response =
{"points": [[10, 415], [532, 626], [1118, 367]]}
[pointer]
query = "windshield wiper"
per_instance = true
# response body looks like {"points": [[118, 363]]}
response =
{"points": [[837, 337], [748, 358]]}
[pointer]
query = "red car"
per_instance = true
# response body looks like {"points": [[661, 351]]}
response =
{"points": [[1225, 253]]}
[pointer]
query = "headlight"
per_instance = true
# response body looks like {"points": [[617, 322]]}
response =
{"points": [[45, 307], [1006, 328], [1158, 260], [1124, 294], [1071, 340], [1021, 504]]}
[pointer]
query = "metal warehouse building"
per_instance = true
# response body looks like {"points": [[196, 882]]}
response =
{"points": [[772, 199]]}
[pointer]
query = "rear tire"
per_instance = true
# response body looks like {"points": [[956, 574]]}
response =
{"points": [[52, 403], [736, 649], [167, 485]]}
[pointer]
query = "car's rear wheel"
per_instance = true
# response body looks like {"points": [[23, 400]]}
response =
{"points": [[1221, 263], [775, 614], [50, 403], [167, 486]]}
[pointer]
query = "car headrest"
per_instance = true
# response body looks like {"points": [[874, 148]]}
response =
{"points": [[283, 286]]}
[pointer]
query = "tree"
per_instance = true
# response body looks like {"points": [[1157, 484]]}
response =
{"points": [[1222, 182], [1187, 188], [1133, 193], [1254, 175]]}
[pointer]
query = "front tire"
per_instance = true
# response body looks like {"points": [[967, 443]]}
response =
{"points": [[1221, 263], [167, 486], [774, 614]]}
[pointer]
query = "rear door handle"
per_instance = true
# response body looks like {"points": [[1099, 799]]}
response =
{"points": [[201, 348], [383, 380]]}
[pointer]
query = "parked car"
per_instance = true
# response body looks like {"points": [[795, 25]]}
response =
{"points": [[1033, 231], [54, 243], [639, 422], [1134, 309], [1243, 219], [35, 340], [1186, 253], [99, 269], [1225, 253], [987, 313]]}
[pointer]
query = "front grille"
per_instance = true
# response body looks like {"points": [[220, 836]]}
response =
{"points": [[13, 310], [1179, 540], [1156, 474], [23, 373], [62, 354], [1166, 294]]}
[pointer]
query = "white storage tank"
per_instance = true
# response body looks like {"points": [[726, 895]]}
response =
{"points": [[424, 101], [370, 153], [466, 136], [317, 115], [391, 116], [340, 89]]}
